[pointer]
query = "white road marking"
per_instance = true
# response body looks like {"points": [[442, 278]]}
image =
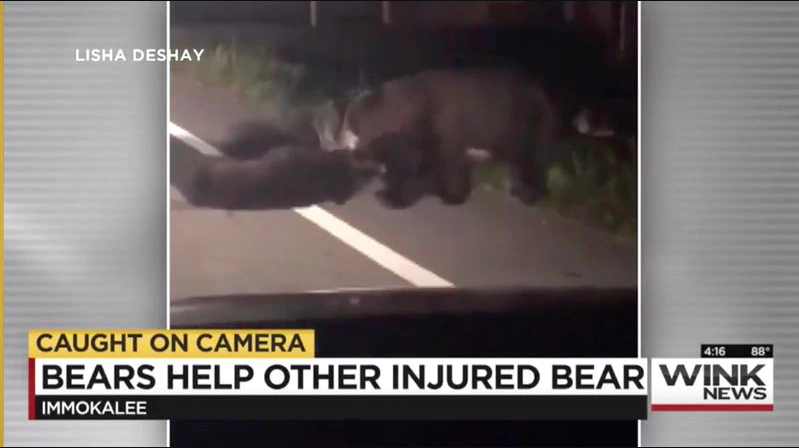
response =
{"points": [[193, 141], [176, 195], [344, 232]]}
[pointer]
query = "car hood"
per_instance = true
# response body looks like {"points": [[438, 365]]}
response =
{"points": [[212, 311]]}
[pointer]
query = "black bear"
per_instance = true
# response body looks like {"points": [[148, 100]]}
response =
{"points": [[285, 177], [439, 123]]}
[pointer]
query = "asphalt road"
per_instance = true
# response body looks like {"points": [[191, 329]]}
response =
{"points": [[490, 242]]}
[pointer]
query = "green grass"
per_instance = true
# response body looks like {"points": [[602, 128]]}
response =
{"points": [[593, 184], [586, 182], [280, 91]]}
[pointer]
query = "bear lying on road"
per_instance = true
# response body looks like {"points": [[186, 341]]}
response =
{"points": [[285, 177]]}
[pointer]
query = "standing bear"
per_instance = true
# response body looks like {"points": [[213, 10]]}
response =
{"points": [[438, 124]]}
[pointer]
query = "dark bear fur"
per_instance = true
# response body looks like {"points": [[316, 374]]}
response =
{"points": [[436, 117], [253, 139], [406, 174], [285, 177]]}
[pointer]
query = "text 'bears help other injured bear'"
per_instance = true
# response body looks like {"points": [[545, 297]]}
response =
{"points": [[439, 123]]}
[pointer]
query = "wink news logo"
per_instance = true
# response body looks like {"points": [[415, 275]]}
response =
{"points": [[728, 385], [740, 381]]}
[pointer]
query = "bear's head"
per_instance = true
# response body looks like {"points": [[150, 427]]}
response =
{"points": [[360, 121]]}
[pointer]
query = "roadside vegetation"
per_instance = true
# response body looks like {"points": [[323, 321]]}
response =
{"points": [[589, 182]]}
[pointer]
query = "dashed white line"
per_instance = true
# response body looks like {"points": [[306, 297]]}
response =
{"points": [[344, 232]]}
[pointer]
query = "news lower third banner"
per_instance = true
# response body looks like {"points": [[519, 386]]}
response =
{"points": [[276, 375]]}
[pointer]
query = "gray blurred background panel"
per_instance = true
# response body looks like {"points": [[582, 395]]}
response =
{"points": [[720, 204], [85, 185], [85, 192]]}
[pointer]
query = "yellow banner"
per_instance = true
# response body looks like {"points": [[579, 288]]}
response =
{"points": [[171, 343]]}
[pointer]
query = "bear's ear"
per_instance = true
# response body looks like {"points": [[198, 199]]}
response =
{"points": [[357, 95], [368, 98]]}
